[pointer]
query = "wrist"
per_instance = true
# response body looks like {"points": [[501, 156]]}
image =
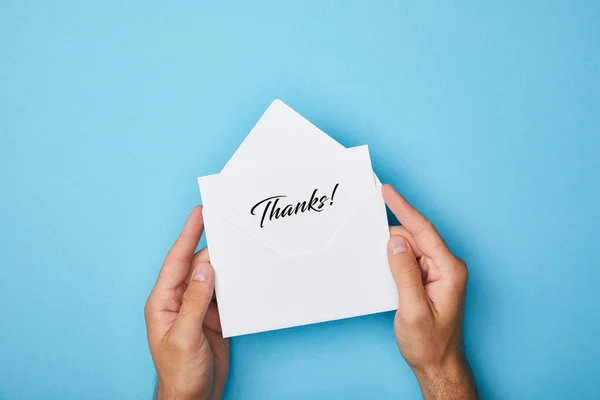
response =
{"points": [[450, 379], [449, 368], [163, 392]]}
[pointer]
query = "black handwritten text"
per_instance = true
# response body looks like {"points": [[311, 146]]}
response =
{"points": [[274, 207]]}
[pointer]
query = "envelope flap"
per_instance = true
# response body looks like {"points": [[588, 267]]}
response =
{"points": [[293, 210]]}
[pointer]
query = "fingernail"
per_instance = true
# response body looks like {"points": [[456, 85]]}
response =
{"points": [[398, 245], [201, 273]]}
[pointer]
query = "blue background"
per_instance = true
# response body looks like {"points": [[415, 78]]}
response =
{"points": [[485, 116]]}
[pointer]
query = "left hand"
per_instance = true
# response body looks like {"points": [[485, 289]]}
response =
{"points": [[184, 331]]}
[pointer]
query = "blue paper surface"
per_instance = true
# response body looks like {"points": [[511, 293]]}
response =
{"points": [[485, 116]]}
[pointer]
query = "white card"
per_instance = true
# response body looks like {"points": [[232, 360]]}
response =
{"points": [[282, 135], [283, 264]]}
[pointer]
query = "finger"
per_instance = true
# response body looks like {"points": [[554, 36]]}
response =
{"points": [[200, 257], [397, 230], [177, 263], [423, 232], [407, 275], [212, 320], [196, 300]]}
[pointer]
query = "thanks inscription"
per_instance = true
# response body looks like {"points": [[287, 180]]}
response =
{"points": [[276, 207]]}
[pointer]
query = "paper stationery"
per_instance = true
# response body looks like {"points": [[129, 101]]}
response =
{"points": [[296, 229]]}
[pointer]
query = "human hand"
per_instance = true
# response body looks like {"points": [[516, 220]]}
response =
{"points": [[184, 330], [431, 284]]}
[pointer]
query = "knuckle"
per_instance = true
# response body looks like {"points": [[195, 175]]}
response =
{"points": [[148, 308], [427, 226], [180, 343], [417, 317], [192, 296], [461, 273], [410, 267], [461, 262]]}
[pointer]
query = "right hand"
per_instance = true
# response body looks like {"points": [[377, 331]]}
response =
{"points": [[431, 284]]}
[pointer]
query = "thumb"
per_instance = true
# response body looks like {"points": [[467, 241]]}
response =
{"points": [[196, 299], [406, 273]]}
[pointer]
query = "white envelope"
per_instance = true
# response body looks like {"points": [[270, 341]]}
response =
{"points": [[281, 269]]}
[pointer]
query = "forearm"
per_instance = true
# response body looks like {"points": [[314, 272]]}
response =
{"points": [[454, 381]]}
